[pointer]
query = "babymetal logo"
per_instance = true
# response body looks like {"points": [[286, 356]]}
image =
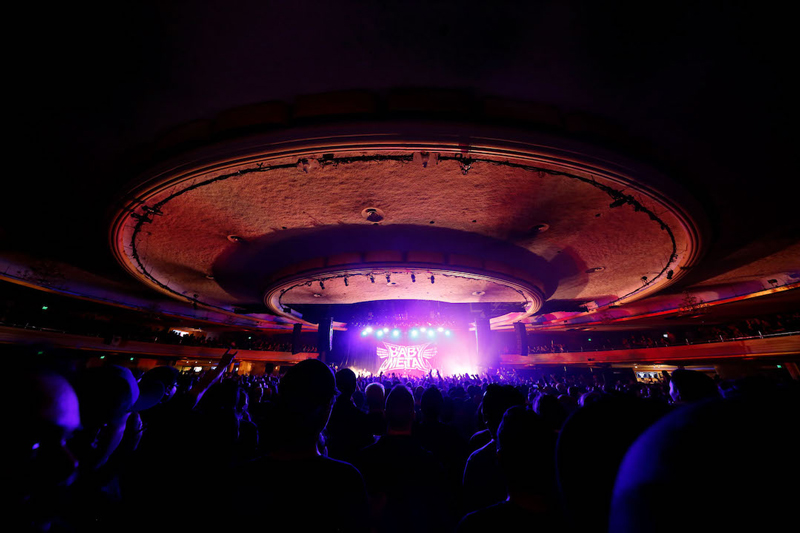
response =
{"points": [[398, 357]]}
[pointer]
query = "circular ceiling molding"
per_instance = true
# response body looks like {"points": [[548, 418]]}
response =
{"points": [[451, 284], [293, 196]]}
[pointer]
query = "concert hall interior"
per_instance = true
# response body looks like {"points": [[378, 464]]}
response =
{"points": [[582, 212]]}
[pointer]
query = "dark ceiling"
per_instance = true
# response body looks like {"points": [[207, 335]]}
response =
{"points": [[703, 89]]}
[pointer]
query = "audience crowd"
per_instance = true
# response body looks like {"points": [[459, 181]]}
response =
{"points": [[107, 449]]}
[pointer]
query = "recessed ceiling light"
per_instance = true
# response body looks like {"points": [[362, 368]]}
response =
{"points": [[373, 214], [317, 295], [235, 238]]}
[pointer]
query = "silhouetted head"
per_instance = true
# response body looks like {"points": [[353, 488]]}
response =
{"points": [[166, 376], [432, 403], [496, 401], [107, 395], [691, 386], [307, 392], [750, 443], [526, 451], [346, 382], [43, 419], [40, 465], [551, 410], [400, 409], [374, 396], [591, 446]]}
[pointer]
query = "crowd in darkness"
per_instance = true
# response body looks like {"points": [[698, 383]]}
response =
{"points": [[105, 449]]}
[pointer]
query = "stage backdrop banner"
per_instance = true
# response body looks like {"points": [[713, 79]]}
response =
{"points": [[406, 359]]}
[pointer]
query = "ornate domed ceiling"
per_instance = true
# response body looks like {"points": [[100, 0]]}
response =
{"points": [[459, 214]]}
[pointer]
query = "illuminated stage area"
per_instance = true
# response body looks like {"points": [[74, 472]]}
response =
{"points": [[412, 352]]}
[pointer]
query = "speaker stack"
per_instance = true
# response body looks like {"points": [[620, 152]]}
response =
{"points": [[325, 336], [522, 338], [297, 347]]}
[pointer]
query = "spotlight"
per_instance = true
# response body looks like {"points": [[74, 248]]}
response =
{"points": [[368, 329], [431, 333], [380, 333], [432, 280], [440, 329], [364, 333], [396, 333], [413, 278], [423, 329], [414, 333], [386, 330], [447, 332]]}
